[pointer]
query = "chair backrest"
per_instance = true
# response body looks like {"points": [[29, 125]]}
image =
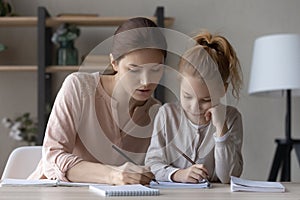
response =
{"points": [[22, 162]]}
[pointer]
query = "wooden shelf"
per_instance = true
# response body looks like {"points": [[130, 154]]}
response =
{"points": [[80, 21], [18, 68], [97, 21], [18, 21], [55, 68], [70, 68]]}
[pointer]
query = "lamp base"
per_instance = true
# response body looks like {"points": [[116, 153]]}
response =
{"points": [[283, 159]]}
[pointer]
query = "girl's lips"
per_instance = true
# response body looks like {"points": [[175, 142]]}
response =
{"points": [[199, 114]]}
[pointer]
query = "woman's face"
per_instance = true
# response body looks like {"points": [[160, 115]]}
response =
{"points": [[195, 99], [139, 72]]}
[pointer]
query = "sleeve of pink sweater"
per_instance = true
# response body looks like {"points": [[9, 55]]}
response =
{"points": [[61, 131]]}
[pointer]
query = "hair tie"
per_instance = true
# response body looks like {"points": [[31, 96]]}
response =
{"points": [[210, 45]]}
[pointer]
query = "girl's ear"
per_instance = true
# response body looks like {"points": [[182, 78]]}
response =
{"points": [[113, 62]]}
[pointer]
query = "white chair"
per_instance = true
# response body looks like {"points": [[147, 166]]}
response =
{"points": [[22, 162]]}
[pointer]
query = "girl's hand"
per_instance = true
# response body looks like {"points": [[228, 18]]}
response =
{"points": [[192, 174], [217, 115], [130, 173]]}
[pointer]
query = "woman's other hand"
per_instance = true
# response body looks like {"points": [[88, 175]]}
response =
{"points": [[130, 173]]}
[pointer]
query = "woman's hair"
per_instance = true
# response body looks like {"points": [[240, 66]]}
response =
{"points": [[137, 33], [213, 54]]}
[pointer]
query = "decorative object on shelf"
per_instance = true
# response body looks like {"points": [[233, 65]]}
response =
{"points": [[22, 128], [5, 8], [2, 47], [64, 37]]}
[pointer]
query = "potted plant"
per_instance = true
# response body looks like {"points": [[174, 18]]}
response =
{"points": [[64, 38], [2, 47], [22, 128], [5, 8]]}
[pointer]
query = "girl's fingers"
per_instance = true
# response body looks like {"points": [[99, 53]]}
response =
{"points": [[197, 176], [207, 115], [201, 169]]}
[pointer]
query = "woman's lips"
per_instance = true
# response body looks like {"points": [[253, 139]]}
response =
{"points": [[143, 91]]}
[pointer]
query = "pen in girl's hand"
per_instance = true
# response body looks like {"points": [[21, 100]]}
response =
{"points": [[188, 159], [128, 158]]}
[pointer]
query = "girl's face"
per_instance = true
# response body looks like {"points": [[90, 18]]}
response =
{"points": [[139, 72], [195, 99]]}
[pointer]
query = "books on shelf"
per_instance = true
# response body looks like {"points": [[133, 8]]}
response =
{"points": [[176, 185], [124, 190], [239, 184]]}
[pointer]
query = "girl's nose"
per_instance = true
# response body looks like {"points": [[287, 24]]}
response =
{"points": [[196, 107]]}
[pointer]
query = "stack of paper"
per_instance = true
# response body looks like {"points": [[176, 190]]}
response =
{"points": [[238, 184]]}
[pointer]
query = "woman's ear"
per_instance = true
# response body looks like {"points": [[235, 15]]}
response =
{"points": [[113, 62], [226, 87]]}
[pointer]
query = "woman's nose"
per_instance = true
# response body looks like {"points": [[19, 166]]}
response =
{"points": [[144, 79]]}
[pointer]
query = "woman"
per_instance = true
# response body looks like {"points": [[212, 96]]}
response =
{"points": [[92, 112]]}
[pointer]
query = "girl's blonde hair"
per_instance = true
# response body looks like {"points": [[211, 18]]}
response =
{"points": [[211, 54]]}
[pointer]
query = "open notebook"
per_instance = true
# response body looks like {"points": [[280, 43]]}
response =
{"points": [[41, 182], [175, 185], [102, 189]]}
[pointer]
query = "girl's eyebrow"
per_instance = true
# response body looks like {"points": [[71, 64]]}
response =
{"points": [[204, 98], [186, 93]]}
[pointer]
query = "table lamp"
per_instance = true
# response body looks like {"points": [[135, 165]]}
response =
{"points": [[275, 71]]}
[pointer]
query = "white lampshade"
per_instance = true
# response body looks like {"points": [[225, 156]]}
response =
{"points": [[275, 65]]}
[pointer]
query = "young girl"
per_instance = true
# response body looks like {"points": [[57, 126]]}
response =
{"points": [[200, 126]]}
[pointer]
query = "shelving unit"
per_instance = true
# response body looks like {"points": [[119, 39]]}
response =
{"points": [[44, 24]]}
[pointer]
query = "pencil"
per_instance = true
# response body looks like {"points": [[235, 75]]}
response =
{"points": [[185, 156], [128, 159], [123, 154]]}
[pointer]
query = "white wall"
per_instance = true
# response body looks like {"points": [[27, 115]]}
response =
{"points": [[241, 21]]}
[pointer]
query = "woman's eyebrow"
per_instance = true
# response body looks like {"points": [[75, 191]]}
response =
{"points": [[135, 65]]}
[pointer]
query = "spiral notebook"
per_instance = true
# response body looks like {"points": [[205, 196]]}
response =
{"points": [[124, 190]]}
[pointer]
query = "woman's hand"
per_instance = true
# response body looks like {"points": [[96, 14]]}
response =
{"points": [[130, 173], [192, 174], [217, 115]]}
